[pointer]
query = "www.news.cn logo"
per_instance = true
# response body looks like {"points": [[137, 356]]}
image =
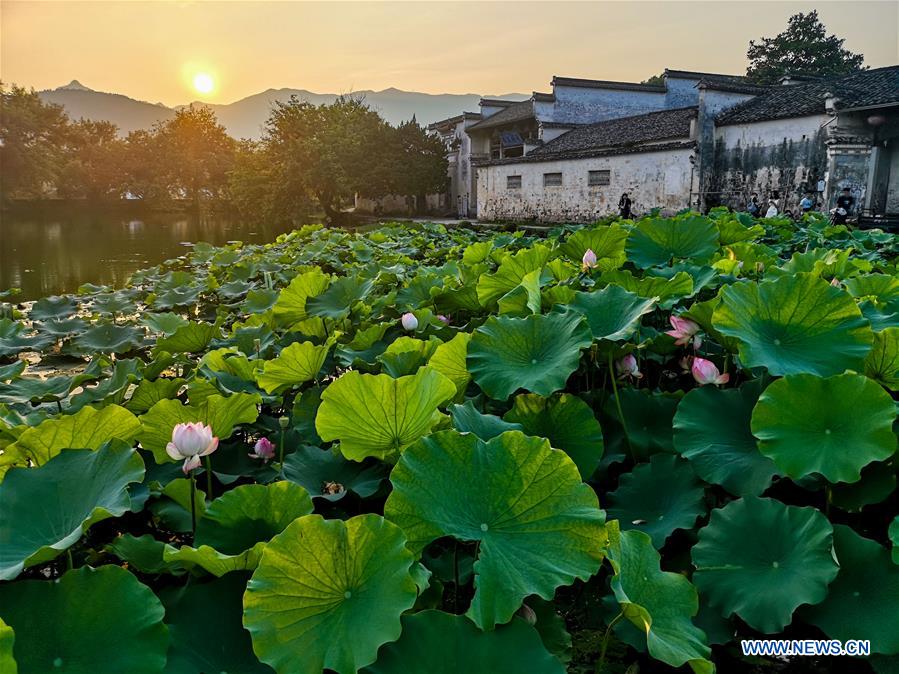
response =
{"points": [[798, 647]]}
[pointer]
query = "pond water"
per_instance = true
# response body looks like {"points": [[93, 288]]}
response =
{"points": [[48, 255]]}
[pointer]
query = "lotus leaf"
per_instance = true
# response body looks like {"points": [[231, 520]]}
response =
{"points": [[148, 393], [51, 308], [190, 338], [165, 323], [339, 298], [894, 538], [90, 621], [511, 272], [326, 474], [523, 299], [513, 494], [291, 305], [655, 241], [296, 364], [109, 338], [7, 644], [14, 340], [379, 416], [607, 243], [143, 553], [795, 324], [450, 359], [882, 363], [613, 313], [467, 419], [761, 559], [63, 327], [806, 423], [329, 593], [666, 291]]}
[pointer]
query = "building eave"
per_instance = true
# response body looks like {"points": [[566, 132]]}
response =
{"points": [[589, 154], [558, 80]]}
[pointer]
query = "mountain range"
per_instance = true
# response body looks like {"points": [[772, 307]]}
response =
{"points": [[244, 118]]}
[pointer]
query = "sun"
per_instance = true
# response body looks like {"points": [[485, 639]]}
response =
{"points": [[203, 83]]}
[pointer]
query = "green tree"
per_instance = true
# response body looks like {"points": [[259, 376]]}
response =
{"points": [[419, 162], [258, 189], [32, 137], [143, 167], [804, 48], [93, 162]]}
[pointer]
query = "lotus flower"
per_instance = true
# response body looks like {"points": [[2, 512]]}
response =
{"points": [[835, 282], [263, 449], [684, 331], [627, 367], [705, 372], [409, 321], [589, 260], [443, 319], [189, 442]]}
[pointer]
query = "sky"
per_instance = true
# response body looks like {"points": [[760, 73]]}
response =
{"points": [[154, 50]]}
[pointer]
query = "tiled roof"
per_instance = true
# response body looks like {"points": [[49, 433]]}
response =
{"points": [[497, 102], [859, 90], [545, 98], [709, 77], [534, 157], [734, 87], [513, 113], [626, 131], [606, 84], [452, 121]]}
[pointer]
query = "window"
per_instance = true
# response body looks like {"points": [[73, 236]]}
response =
{"points": [[598, 178], [552, 179], [513, 182]]}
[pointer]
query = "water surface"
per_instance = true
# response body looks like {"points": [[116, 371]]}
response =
{"points": [[48, 255]]}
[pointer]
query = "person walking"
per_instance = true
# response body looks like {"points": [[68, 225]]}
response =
{"points": [[624, 207], [807, 204], [753, 207], [772, 209], [845, 202]]}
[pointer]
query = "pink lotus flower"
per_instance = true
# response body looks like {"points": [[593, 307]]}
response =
{"points": [[263, 449], [443, 319], [589, 260], [189, 442], [684, 331], [835, 282], [705, 372], [627, 367], [409, 322]]}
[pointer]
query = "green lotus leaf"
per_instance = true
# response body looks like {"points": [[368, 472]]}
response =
{"points": [[259, 300], [666, 291], [659, 603], [405, 355], [164, 323], [656, 241], [110, 304], [236, 526], [864, 597], [523, 299], [806, 423], [511, 272], [190, 338], [434, 642], [339, 298], [109, 338], [14, 339], [882, 363], [735, 229], [148, 393], [329, 593], [712, 430], [606, 242], [877, 484], [52, 308], [112, 389], [648, 416], [204, 621], [45, 510], [220, 412], [379, 416], [15, 370], [296, 364], [894, 538], [90, 621], [63, 327], [450, 359], [291, 305], [89, 428], [179, 296], [613, 313], [28, 389], [882, 287], [566, 421], [7, 645], [657, 498], [537, 353], [761, 559], [795, 324], [467, 419], [513, 494], [326, 474], [143, 553]]}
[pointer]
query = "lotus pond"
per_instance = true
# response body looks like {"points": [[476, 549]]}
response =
{"points": [[625, 446]]}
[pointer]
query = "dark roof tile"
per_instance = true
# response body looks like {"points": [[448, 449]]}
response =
{"points": [[513, 113], [606, 84]]}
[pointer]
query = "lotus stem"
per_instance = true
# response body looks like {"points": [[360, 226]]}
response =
{"points": [[208, 462], [627, 436], [456, 577], [600, 664], [193, 505]]}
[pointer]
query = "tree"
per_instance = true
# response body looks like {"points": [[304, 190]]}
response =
{"points": [[32, 135], [804, 48], [93, 162], [419, 162], [655, 80], [258, 189]]}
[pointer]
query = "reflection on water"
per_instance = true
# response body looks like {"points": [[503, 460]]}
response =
{"points": [[52, 255]]}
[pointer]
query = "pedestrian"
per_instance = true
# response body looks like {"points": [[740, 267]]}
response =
{"points": [[772, 209], [807, 203], [845, 202], [753, 207], [624, 207]]}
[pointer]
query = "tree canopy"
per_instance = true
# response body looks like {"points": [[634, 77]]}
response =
{"points": [[804, 48]]}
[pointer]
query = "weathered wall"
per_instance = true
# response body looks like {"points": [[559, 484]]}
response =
{"points": [[681, 92], [783, 156], [582, 105], [653, 179]]}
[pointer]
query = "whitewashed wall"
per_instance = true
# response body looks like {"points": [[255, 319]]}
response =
{"points": [[653, 179]]}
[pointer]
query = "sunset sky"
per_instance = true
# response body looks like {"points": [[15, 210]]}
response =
{"points": [[155, 51]]}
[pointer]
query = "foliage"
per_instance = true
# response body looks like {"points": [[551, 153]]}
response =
{"points": [[525, 477]]}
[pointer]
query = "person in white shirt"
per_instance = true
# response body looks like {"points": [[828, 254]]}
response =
{"points": [[772, 209]]}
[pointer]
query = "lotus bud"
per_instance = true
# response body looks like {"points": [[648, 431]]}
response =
{"points": [[684, 332], [589, 260], [627, 367], [284, 422], [835, 282], [191, 441], [528, 614], [443, 319], [705, 372], [409, 321], [263, 449]]}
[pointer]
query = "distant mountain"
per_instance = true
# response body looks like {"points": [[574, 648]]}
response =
{"points": [[245, 118]]}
